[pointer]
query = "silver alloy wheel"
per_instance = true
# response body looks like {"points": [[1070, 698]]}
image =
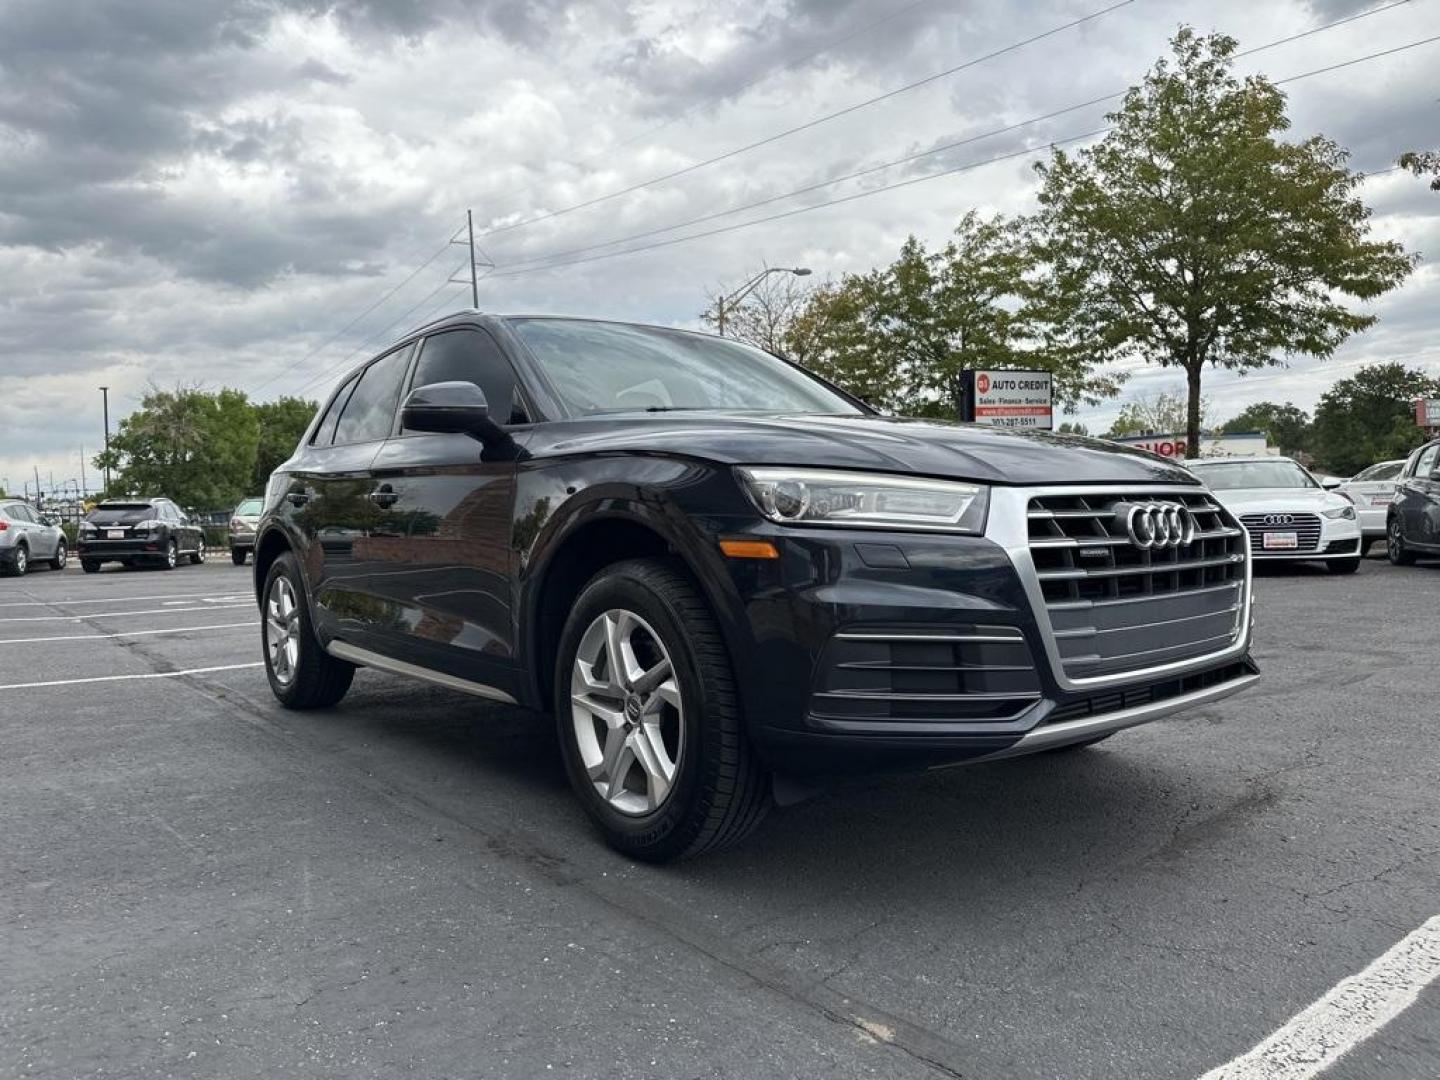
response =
{"points": [[21, 560], [628, 717], [172, 553], [200, 552], [282, 631], [60, 555], [1397, 539]]}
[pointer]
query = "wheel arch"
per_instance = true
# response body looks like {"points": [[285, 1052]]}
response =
{"points": [[269, 546]]}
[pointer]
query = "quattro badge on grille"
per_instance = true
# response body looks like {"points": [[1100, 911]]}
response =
{"points": [[1156, 525]]}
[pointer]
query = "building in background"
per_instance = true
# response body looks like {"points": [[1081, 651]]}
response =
{"points": [[1238, 444]]}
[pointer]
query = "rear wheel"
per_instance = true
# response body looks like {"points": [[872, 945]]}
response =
{"points": [[19, 562], [1343, 566], [90, 566], [649, 718], [301, 673], [171, 558], [61, 554], [237, 556]]}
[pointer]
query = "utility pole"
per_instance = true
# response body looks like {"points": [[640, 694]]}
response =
{"points": [[37, 484], [84, 487], [469, 242], [105, 394], [739, 294]]}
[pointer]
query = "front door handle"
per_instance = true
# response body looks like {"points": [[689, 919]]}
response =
{"points": [[300, 498], [384, 496]]}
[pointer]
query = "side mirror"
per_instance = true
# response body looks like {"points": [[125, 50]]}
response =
{"points": [[1330, 483], [451, 408]]}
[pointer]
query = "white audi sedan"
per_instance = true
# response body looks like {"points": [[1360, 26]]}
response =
{"points": [[1372, 491], [1287, 512]]}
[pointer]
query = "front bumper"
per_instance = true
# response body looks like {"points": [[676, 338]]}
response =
{"points": [[899, 651]]}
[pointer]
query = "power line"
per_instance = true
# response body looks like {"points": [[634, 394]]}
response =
{"points": [[733, 91], [849, 109], [340, 333], [871, 170], [523, 269]]}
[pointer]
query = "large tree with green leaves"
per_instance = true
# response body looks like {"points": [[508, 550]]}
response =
{"points": [[901, 336], [282, 422], [1194, 234], [1370, 417], [1287, 425], [194, 446]]}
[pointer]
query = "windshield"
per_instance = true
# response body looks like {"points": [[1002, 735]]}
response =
{"points": [[1388, 470], [1229, 475], [120, 513], [249, 508], [599, 367]]}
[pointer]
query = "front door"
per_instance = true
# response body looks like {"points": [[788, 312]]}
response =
{"points": [[446, 549], [1418, 500]]}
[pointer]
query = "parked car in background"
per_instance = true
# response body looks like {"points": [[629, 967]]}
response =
{"points": [[1372, 490], [1287, 512], [243, 520], [28, 537], [135, 532], [727, 579], [1413, 523]]}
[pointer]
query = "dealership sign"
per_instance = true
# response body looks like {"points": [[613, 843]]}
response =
{"points": [[1012, 399], [1427, 413]]}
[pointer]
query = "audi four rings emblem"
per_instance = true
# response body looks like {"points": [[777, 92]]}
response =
{"points": [[1159, 525], [1278, 519]]}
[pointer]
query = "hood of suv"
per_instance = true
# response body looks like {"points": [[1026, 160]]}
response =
{"points": [[1283, 500], [885, 444]]}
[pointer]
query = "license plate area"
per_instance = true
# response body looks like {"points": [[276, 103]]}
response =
{"points": [[1280, 541], [114, 534]]}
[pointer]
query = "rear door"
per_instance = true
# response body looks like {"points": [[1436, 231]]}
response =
{"points": [[447, 546], [331, 491], [37, 538]]}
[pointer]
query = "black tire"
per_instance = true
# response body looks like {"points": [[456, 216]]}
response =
{"points": [[319, 679], [171, 558], [1343, 566], [237, 556], [1395, 548], [62, 553], [90, 566], [198, 555], [18, 564], [721, 791]]}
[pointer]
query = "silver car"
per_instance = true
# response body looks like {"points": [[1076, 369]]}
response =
{"points": [[27, 537], [243, 520], [1372, 491]]}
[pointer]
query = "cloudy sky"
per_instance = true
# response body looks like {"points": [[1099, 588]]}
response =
{"points": [[226, 193]]}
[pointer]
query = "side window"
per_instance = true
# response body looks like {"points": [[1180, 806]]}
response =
{"points": [[472, 356], [325, 430], [163, 512], [1426, 465], [20, 512], [370, 412]]}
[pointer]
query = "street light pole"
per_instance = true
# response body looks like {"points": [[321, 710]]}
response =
{"points": [[105, 395], [729, 302]]}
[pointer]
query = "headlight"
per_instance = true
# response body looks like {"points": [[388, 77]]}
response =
{"points": [[1346, 512], [865, 500]]}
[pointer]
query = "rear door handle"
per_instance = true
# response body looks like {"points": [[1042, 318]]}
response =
{"points": [[384, 496], [300, 498]]}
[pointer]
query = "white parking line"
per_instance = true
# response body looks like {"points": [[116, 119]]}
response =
{"points": [[211, 595], [1313, 1040], [120, 614], [125, 633], [125, 678]]}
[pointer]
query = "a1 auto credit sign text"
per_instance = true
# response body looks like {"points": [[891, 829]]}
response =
{"points": [[1014, 399]]}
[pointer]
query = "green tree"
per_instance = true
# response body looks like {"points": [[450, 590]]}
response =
{"points": [[1193, 234], [282, 422], [1160, 413], [193, 446], [1421, 162], [1070, 427], [1287, 426], [766, 318], [1370, 417], [900, 336]]}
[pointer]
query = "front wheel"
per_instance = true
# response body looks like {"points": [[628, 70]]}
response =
{"points": [[1342, 566], [1395, 545], [90, 566], [237, 556], [302, 674], [649, 717], [198, 555], [19, 562], [61, 554]]}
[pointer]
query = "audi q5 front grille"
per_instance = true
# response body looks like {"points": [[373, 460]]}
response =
{"points": [[1135, 579]]}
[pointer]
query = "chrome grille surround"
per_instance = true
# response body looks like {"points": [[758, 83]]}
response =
{"points": [[1217, 559]]}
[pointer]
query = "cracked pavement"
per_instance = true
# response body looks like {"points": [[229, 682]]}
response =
{"points": [[195, 883]]}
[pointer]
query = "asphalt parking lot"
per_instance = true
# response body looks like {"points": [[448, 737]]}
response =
{"points": [[194, 883]]}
